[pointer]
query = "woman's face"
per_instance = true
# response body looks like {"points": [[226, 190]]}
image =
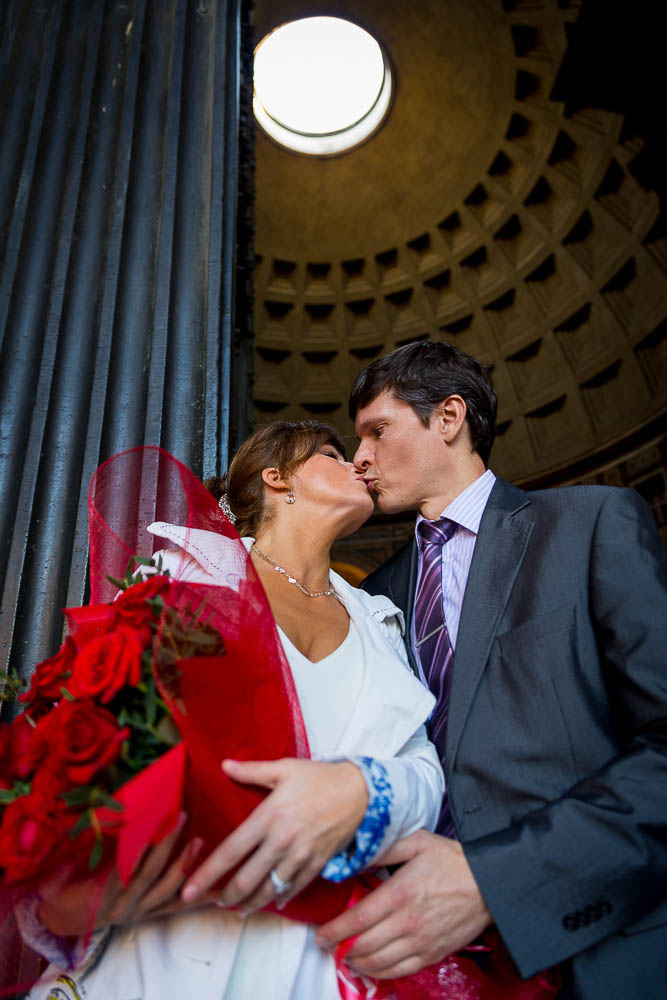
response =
{"points": [[328, 486]]}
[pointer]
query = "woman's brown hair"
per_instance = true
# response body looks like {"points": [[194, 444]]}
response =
{"points": [[283, 445]]}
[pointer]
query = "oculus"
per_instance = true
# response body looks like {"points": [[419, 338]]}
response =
{"points": [[322, 85]]}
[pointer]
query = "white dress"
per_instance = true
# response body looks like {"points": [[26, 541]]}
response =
{"points": [[362, 699]]}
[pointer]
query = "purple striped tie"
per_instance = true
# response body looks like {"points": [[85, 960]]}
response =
{"points": [[432, 643]]}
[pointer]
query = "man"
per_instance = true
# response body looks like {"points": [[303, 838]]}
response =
{"points": [[552, 705]]}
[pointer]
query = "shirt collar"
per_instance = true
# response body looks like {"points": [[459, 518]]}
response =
{"points": [[467, 508]]}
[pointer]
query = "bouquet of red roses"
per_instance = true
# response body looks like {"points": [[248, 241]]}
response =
{"points": [[94, 718], [127, 724]]}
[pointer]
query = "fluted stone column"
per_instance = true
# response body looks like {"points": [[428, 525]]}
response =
{"points": [[125, 229]]}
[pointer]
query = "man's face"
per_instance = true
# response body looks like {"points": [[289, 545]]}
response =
{"points": [[401, 460]]}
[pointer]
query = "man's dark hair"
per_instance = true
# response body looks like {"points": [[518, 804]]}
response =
{"points": [[424, 373]]}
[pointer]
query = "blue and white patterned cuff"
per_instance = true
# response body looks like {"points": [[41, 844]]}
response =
{"points": [[371, 829]]}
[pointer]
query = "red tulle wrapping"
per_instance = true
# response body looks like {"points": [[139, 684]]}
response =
{"points": [[242, 705], [492, 977], [489, 976]]}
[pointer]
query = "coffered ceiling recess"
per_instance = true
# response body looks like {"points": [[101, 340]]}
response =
{"points": [[479, 213]]}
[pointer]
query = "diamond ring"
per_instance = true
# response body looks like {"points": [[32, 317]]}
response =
{"points": [[278, 884]]}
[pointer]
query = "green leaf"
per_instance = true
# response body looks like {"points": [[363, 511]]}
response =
{"points": [[65, 693], [107, 800], [8, 795], [77, 796], [81, 824], [100, 797], [142, 561], [95, 855], [12, 685], [159, 565], [117, 583], [151, 705]]}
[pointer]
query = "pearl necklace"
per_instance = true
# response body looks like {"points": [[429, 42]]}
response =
{"points": [[292, 579]]}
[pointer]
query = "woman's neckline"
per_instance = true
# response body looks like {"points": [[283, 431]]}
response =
{"points": [[322, 658]]}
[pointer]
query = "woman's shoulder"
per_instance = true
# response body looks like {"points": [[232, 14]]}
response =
{"points": [[376, 606], [199, 552]]}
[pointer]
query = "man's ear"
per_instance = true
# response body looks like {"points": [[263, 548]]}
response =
{"points": [[273, 478], [451, 415]]}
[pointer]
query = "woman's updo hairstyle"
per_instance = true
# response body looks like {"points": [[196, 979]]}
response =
{"points": [[283, 445]]}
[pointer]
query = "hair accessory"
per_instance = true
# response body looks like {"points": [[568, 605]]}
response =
{"points": [[292, 579], [290, 498], [223, 504]]}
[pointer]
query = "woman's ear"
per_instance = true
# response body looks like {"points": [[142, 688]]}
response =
{"points": [[274, 479]]}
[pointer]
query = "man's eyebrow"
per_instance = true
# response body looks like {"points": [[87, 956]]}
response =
{"points": [[371, 422]]}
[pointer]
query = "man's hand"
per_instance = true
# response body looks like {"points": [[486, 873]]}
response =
{"points": [[430, 908], [66, 909], [312, 812]]}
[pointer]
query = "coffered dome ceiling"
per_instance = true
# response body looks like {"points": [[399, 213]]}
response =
{"points": [[480, 213]]}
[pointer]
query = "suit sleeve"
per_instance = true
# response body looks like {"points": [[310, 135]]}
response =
{"points": [[564, 877]]}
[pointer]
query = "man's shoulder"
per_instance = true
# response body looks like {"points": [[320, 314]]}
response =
{"points": [[590, 496], [584, 509]]}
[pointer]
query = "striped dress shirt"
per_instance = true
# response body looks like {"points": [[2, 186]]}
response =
{"points": [[466, 509]]}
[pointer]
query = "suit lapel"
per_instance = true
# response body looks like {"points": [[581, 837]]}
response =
{"points": [[402, 583], [499, 551]]}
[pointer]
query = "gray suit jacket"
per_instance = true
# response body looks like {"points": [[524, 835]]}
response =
{"points": [[557, 732]]}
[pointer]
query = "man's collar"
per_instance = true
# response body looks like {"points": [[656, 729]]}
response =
{"points": [[467, 508]]}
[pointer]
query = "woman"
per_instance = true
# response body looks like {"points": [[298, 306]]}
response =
{"points": [[374, 776]]}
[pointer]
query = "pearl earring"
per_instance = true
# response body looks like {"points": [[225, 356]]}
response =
{"points": [[290, 498]]}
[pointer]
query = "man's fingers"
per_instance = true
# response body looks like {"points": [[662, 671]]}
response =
{"points": [[403, 967], [150, 868], [168, 885], [359, 918], [400, 852], [156, 857]]}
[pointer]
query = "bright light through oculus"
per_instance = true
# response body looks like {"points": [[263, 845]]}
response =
{"points": [[322, 85]]}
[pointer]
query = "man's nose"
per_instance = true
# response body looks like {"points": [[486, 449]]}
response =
{"points": [[362, 459]]}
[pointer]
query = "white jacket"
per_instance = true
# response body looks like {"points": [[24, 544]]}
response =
{"points": [[194, 954]]}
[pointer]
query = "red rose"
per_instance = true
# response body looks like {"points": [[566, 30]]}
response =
{"points": [[32, 828], [6, 764], [107, 664], [50, 675], [89, 622], [83, 739], [131, 606], [23, 748]]}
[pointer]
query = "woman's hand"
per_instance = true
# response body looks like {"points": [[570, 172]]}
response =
{"points": [[313, 812], [66, 910]]}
